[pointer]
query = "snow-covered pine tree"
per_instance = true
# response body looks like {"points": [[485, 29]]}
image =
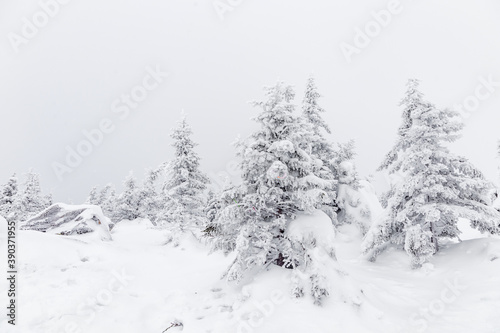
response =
{"points": [[48, 200], [311, 110], [104, 194], [278, 180], [8, 195], [331, 154], [356, 198], [93, 198], [344, 153], [30, 200], [438, 187], [108, 202], [412, 101], [322, 152], [224, 215], [185, 184], [149, 201], [127, 204], [211, 209]]}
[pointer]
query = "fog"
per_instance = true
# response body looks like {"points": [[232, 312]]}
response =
{"points": [[72, 73]]}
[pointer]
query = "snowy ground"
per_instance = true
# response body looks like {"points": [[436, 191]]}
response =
{"points": [[137, 283]]}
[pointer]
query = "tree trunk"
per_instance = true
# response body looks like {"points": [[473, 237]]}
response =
{"points": [[434, 239]]}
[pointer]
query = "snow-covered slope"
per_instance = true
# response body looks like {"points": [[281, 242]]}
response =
{"points": [[62, 219], [135, 283], [3, 226]]}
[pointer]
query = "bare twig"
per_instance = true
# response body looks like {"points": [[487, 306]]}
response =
{"points": [[174, 324]]}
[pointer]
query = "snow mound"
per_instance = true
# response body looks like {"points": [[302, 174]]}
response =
{"points": [[62, 219], [316, 226]]}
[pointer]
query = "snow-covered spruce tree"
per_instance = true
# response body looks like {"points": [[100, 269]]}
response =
{"points": [[224, 214], [412, 101], [311, 110], [331, 154], [149, 201], [437, 189], [104, 194], [278, 181], [344, 155], [334, 157], [93, 198], [7, 196], [30, 200], [127, 206], [325, 157], [355, 198], [185, 184], [108, 202], [211, 209]]}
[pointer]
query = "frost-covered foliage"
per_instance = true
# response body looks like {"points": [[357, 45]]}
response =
{"points": [[68, 220], [311, 254], [107, 199], [412, 101], [127, 205], [150, 202], [30, 200], [358, 204], [437, 189], [185, 185], [322, 152], [134, 202], [211, 209], [225, 214], [93, 198], [348, 175], [8, 194], [311, 110], [279, 180], [98, 198], [104, 194], [328, 155], [418, 244], [343, 152]]}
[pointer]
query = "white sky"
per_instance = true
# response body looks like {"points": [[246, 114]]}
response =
{"points": [[64, 80]]}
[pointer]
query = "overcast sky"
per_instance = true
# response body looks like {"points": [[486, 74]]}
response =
{"points": [[70, 74]]}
